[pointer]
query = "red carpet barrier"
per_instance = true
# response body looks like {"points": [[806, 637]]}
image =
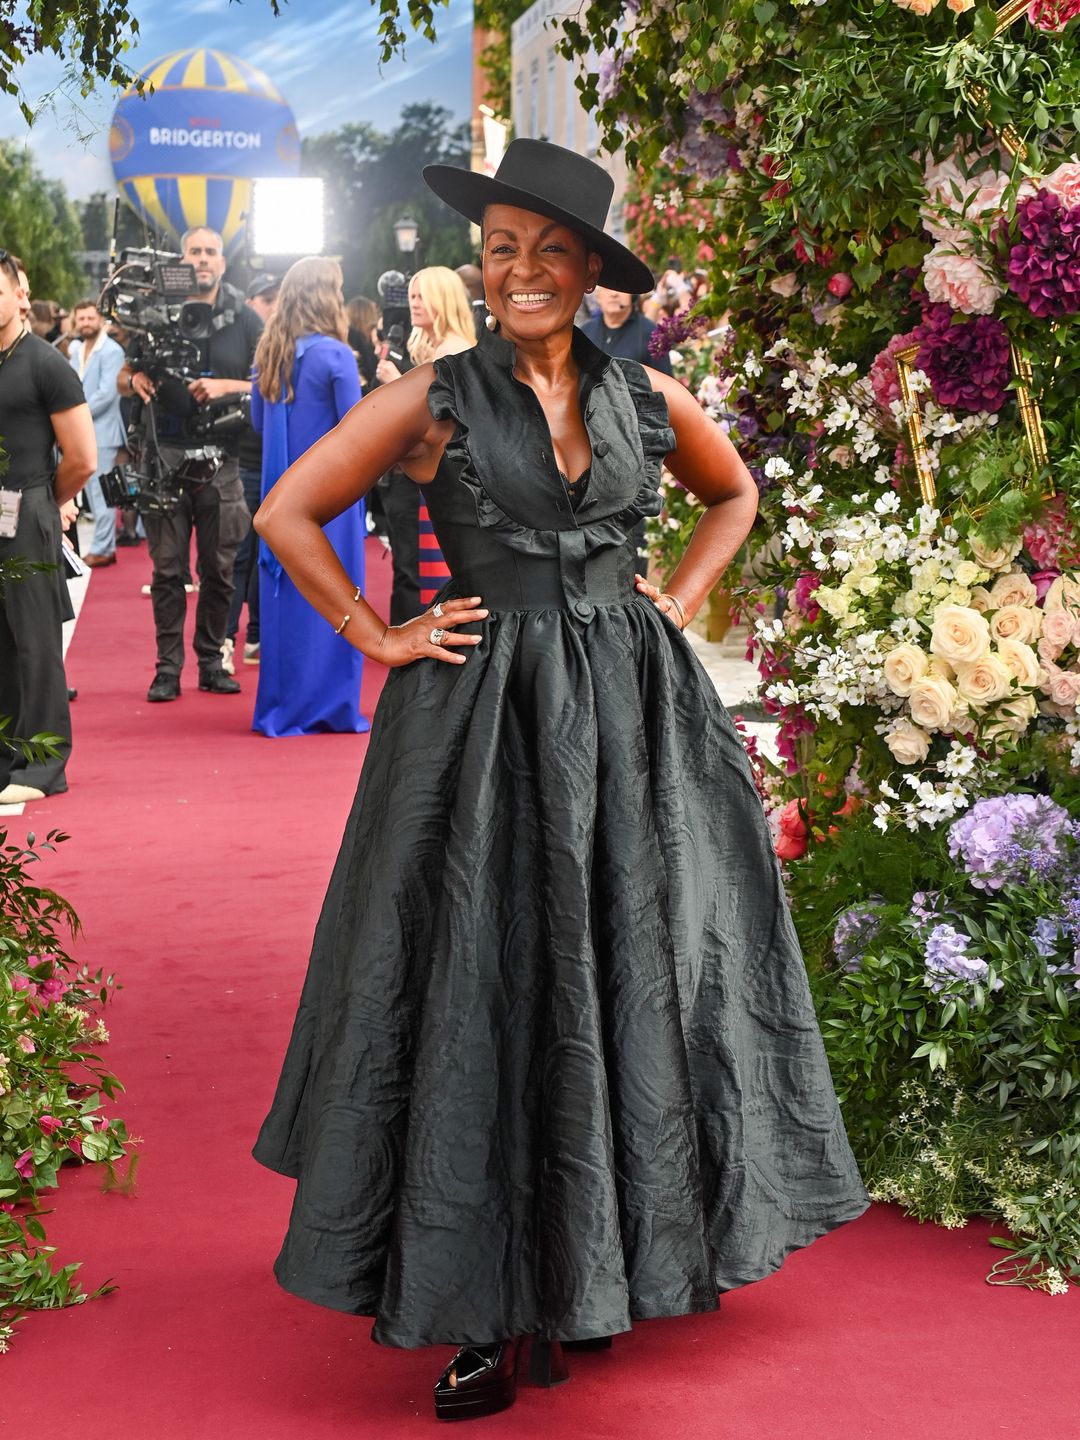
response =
{"points": [[197, 863]]}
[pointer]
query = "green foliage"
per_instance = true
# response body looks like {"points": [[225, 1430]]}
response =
{"points": [[38, 223], [497, 16], [90, 36], [374, 178], [52, 1082]]}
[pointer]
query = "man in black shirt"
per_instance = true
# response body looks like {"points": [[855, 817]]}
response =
{"points": [[41, 406], [620, 329], [217, 510]]}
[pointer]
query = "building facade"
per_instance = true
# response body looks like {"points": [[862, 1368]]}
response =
{"points": [[545, 104]]}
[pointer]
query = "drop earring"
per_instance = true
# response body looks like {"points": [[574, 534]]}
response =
{"points": [[491, 322]]}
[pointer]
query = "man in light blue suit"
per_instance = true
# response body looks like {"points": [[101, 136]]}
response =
{"points": [[97, 360]]}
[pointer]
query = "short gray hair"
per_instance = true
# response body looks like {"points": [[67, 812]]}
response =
{"points": [[194, 230]]}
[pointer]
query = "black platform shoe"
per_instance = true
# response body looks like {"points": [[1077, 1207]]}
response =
{"points": [[485, 1377]]}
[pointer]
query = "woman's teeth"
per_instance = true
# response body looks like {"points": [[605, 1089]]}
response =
{"points": [[531, 297]]}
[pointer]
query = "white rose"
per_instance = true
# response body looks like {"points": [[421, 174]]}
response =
{"points": [[999, 556], [868, 584], [1020, 661], [909, 744], [960, 634], [1012, 589], [903, 667], [1016, 622], [1013, 716], [980, 599], [967, 573], [931, 702], [1064, 594], [961, 721], [983, 681]]}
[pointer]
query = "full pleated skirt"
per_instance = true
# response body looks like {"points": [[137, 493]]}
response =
{"points": [[555, 1066]]}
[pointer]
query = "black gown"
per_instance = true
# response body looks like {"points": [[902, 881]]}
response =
{"points": [[555, 1066]]}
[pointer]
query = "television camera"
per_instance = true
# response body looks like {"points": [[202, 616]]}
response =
{"points": [[147, 293]]}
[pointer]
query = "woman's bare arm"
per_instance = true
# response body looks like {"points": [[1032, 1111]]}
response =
{"points": [[392, 427], [706, 462]]}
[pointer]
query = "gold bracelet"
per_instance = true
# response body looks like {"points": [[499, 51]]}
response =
{"points": [[667, 595], [341, 627]]}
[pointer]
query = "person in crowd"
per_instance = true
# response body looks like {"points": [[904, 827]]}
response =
{"points": [[363, 317], [309, 678], [672, 293], [97, 360], [262, 294], [216, 511], [619, 328], [442, 324], [556, 1065], [42, 406], [262, 297], [472, 277]]}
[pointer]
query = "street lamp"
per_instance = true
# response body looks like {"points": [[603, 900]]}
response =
{"points": [[407, 234]]}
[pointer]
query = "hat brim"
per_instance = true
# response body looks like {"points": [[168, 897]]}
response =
{"points": [[469, 193]]}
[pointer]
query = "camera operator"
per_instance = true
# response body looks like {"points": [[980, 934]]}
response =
{"points": [[216, 509]]}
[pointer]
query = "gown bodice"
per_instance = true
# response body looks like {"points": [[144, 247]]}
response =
{"points": [[511, 528]]}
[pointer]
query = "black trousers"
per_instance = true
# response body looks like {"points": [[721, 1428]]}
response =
{"points": [[218, 515], [401, 507], [33, 686]]}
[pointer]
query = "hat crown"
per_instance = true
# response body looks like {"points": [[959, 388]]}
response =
{"points": [[560, 177]]}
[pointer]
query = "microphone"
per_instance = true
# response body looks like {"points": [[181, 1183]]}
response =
{"points": [[395, 345]]}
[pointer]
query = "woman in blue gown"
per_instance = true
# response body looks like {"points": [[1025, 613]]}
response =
{"points": [[309, 678]]}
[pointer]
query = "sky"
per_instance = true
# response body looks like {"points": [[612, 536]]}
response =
{"points": [[321, 54]]}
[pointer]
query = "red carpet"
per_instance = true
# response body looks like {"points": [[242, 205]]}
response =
{"points": [[198, 860]]}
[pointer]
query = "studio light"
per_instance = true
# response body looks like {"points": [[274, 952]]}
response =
{"points": [[407, 234], [287, 217]]}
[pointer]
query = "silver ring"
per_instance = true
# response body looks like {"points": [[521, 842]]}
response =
{"points": [[438, 611], [437, 636]]}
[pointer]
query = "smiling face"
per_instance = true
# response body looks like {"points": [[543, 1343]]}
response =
{"points": [[535, 272]]}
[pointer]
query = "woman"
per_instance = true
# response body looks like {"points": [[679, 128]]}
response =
{"points": [[441, 316], [309, 678], [556, 1066], [362, 315]]}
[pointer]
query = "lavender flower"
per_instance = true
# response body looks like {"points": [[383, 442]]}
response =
{"points": [[947, 958], [672, 330], [1044, 266], [703, 149], [856, 928], [1001, 839], [966, 361]]}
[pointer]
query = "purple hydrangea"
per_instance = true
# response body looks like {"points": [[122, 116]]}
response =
{"points": [[703, 150], [1047, 935], [966, 360], [925, 906], [1001, 840], [947, 958], [1044, 266], [855, 929]]}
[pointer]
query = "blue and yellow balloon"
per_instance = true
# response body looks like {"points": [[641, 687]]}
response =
{"points": [[186, 153]]}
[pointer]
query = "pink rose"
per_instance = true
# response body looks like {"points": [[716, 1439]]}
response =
{"points": [[54, 989], [26, 1045], [1064, 686], [25, 1165], [24, 983], [1042, 580], [1064, 182], [75, 1145], [7, 1206], [49, 1124], [953, 278], [840, 285], [1057, 629], [917, 7]]}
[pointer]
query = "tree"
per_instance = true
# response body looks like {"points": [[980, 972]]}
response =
{"points": [[89, 35], [38, 223], [373, 179], [96, 221]]}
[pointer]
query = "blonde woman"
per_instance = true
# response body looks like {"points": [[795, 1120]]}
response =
{"points": [[441, 316], [306, 381]]}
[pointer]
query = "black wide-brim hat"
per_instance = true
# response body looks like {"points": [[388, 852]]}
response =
{"points": [[548, 180]]}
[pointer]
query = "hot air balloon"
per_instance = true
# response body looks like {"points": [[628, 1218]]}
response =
{"points": [[186, 153]]}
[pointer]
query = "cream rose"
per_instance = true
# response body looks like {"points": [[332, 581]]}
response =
{"points": [[998, 557], [960, 634], [1064, 594], [983, 681], [960, 7], [909, 745], [903, 667], [931, 702], [953, 277], [942, 668], [967, 573], [1015, 714], [1057, 631], [1021, 662], [961, 721], [1012, 589], [917, 7], [1016, 622], [980, 599]]}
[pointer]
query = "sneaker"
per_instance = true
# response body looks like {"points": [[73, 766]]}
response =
{"points": [[227, 663], [251, 654]]}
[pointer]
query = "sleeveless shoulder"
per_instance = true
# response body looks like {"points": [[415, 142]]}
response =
{"points": [[654, 421]]}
